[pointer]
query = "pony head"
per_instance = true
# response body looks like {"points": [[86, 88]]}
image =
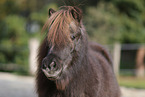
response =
{"points": [[65, 39]]}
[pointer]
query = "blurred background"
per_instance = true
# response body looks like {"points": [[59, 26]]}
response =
{"points": [[119, 25]]}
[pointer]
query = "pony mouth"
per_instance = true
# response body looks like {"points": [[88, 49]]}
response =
{"points": [[52, 74], [52, 70]]}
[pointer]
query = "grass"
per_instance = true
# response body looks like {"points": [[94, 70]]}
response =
{"points": [[132, 82]]}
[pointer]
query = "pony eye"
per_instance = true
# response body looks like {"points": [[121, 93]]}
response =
{"points": [[73, 37]]}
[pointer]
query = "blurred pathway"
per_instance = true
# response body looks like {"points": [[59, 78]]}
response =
{"points": [[131, 92], [16, 86], [24, 86]]}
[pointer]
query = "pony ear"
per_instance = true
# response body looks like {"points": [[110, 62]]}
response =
{"points": [[77, 14], [51, 11]]}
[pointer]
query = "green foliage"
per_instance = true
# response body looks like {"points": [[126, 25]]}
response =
{"points": [[14, 31], [119, 20], [14, 38], [101, 23], [13, 42], [7, 7], [42, 15]]}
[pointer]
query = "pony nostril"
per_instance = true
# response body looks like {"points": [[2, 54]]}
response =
{"points": [[44, 66], [44, 63], [52, 65], [47, 65]]}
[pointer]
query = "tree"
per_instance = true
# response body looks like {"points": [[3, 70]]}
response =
{"points": [[14, 17], [8, 7], [41, 16], [118, 20], [114, 23], [13, 42], [13, 38], [101, 23]]}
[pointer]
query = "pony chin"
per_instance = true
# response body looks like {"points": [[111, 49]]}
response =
{"points": [[61, 84], [63, 81]]}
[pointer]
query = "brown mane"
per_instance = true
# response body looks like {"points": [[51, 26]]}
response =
{"points": [[58, 25]]}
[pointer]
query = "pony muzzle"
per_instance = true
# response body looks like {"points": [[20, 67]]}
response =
{"points": [[51, 70]]}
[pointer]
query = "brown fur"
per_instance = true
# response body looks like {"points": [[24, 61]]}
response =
{"points": [[89, 73]]}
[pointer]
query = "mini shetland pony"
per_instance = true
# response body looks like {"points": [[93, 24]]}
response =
{"points": [[69, 65]]}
